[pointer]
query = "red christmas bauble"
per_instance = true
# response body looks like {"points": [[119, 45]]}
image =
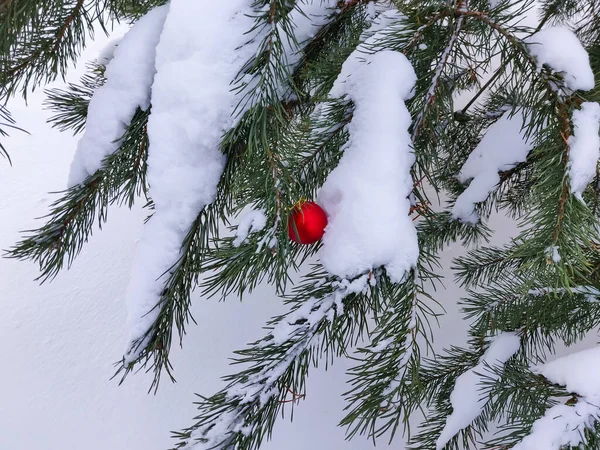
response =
{"points": [[307, 222]]}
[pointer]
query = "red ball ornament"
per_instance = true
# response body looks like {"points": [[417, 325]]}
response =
{"points": [[307, 222]]}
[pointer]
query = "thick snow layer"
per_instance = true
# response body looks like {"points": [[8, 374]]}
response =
{"points": [[201, 50], [563, 425], [561, 49], [502, 147], [366, 195], [466, 398], [251, 222], [129, 76], [584, 146], [578, 372], [560, 426]]}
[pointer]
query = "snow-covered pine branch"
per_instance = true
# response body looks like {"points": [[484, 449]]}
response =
{"points": [[563, 424], [383, 383], [258, 104], [276, 367], [249, 77], [466, 397], [364, 231], [129, 78], [502, 147], [75, 215], [192, 106]]}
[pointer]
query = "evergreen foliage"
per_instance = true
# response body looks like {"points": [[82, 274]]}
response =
{"points": [[283, 150]]}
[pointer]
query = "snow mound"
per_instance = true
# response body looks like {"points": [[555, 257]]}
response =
{"points": [[129, 76], [201, 50], [560, 48], [503, 146], [467, 401], [584, 147], [564, 425], [578, 372], [366, 195]]}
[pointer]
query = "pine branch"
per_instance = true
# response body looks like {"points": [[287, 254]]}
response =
{"points": [[385, 384], [243, 414], [40, 41], [72, 217], [6, 122], [435, 80], [71, 104]]}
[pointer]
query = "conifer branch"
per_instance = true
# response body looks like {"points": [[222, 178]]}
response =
{"points": [[543, 285], [254, 143], [430, 95], [236, 416], [41, 51], [72, 217]]}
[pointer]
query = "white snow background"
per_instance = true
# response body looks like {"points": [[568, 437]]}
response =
{"points": [[59, 340]]}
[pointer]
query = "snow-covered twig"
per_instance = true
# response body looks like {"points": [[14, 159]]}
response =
{"points": [[232, 414], [467, 401], [185, 128], [430, 95]]}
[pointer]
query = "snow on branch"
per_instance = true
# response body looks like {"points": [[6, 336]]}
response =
{"points": [[366, 195], [284, 34], [234, 413], [435, 80], [503, 146], [561, 49], [129, 77], [591, 293], [466, 398], [584, 147], [202, 49], [251, 222], [564, 425]]}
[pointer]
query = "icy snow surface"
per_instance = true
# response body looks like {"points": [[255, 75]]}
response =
{"points": [[502, 147], [200, 52], [560, 49], [129, 76], [584, 147], [366, 195], [564, 425], [467, 399]]}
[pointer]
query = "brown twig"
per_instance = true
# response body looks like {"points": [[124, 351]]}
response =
{"points": [[295, 397]]}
